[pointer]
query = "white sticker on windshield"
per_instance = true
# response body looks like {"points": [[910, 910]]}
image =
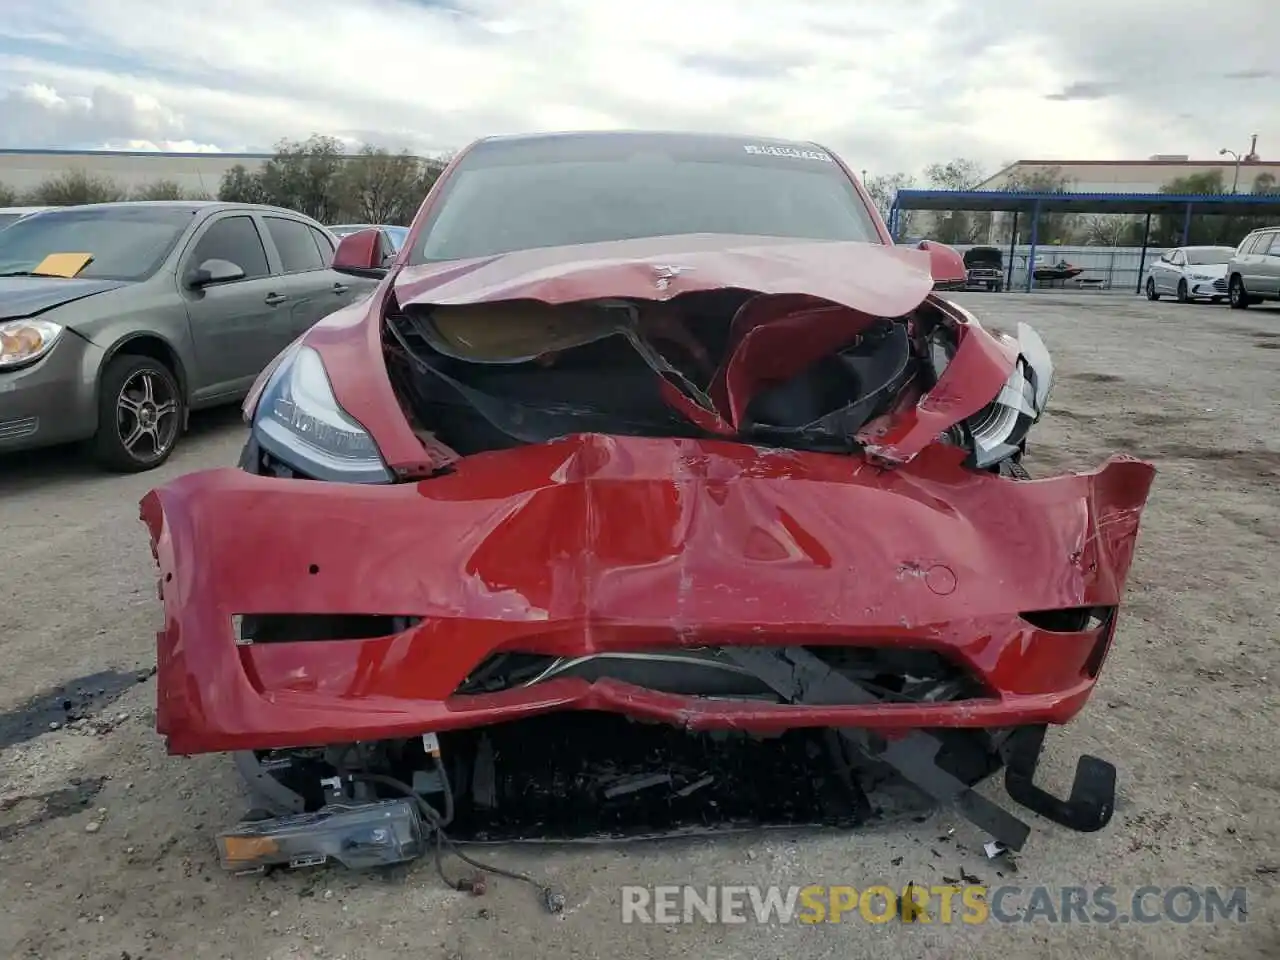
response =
{"points": [[795, 152]]}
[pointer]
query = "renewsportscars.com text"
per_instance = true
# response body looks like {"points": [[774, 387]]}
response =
{"points": [[968, 904]]}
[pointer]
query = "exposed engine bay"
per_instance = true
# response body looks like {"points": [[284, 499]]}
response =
{"points": [[496, 375]]}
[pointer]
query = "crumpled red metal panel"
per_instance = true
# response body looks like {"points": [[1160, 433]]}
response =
{"points": [[873, 280], [599, 543]]}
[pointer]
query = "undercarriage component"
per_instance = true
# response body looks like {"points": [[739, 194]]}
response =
{"points": [[801, 677]]}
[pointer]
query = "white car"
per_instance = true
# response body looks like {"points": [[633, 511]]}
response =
{"points": [[1190, 273]]}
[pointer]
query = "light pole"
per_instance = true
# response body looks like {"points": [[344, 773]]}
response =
{"points": [[1235, 180]]}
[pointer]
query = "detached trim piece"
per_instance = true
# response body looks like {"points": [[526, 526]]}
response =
{"points": [[802, 678]]}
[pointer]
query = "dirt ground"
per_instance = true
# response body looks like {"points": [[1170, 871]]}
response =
{"points": [[105, 842]]}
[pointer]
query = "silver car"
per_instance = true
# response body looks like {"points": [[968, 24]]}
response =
{"points": [[1253, 275], [117, 319], [1190, 273], [11, 215]]}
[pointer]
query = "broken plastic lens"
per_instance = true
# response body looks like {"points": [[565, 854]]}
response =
{"points": [[300, 422], [22, 341], [357, 836]]}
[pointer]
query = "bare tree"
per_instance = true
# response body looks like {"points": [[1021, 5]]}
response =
{"points": [[8, 196], [160, 190], [958, 174], [957, 226], [883, 187]]}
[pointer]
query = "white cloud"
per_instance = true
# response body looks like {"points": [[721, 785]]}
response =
{"points": [[889, 86]]}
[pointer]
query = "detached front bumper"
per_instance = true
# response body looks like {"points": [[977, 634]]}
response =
{"points": [[597, 543]]}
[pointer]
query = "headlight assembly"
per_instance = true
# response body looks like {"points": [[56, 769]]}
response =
{"points": [[25, 341], [999, 429], [299, 422]]}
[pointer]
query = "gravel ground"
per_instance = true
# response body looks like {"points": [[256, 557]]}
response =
{"points": [[105, 842]]}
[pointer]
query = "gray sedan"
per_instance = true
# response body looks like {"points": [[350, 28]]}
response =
{"points": [[117, 319]]}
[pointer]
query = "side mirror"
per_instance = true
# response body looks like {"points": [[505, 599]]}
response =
{"points": [[360, 254], [945, 263], [214, 271]]}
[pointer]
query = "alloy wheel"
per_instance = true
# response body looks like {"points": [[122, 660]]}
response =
{"points": [[147, 416]]}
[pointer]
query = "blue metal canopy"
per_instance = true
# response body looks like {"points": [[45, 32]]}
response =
{"points": [[1034, 204]]}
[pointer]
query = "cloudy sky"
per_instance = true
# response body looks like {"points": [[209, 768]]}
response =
{"points": [[889, 85]]}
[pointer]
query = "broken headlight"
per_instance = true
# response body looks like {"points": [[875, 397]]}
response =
{"points": [[299, 422], [999, 430]]}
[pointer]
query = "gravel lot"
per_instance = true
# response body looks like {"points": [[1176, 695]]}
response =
{"points": [[1186, 709]]}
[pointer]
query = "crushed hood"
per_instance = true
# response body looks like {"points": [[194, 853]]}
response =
{"points": [[872, 278], [27, 296]]}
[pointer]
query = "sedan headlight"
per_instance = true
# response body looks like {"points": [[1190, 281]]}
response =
{"points": [[298, 421], [25, 341], [999, 429]]}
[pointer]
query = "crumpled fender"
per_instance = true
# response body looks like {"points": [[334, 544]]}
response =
{"points": [[597, 543]]}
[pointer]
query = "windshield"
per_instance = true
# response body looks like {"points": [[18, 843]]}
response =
{"points": [[126, 243], [553, 191], [8, 218], [1203, 255]]}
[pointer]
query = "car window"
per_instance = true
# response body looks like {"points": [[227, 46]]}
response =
{"points": [[513, 195], [325, 245], [298, 252], [1249, 245], [1177, 259], [236, 240], [124, 241], [1270, 244]]}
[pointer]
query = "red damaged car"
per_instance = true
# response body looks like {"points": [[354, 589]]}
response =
{"points": [[652, 477]]}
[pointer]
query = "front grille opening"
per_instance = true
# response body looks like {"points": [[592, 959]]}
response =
{"points": [[304, 627], [1070, 619], [891, 674], [582, 776]]}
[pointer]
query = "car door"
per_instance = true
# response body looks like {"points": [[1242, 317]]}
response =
{"points": [[1268, 268], [1249, 260], [345, 288], [237, 326], [314, 291], [1170, 271]]}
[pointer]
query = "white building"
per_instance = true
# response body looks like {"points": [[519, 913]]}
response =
{"points": [[199, 173], [1131, 176]]}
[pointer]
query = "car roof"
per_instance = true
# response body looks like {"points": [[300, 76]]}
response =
{"points": [[654, 137], [211, 205]]}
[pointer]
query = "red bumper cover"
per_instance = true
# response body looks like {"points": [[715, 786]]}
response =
{"points": [[598, 543]]}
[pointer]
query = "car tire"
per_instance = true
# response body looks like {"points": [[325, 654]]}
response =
{"points": [[141, 414], [1151, 289], [1183, 296], [1237, 294]]}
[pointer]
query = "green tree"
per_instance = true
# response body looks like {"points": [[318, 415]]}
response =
{"points": [[378, 186], [160, 190], [76, 186], [306, 176], [242, 185]]}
